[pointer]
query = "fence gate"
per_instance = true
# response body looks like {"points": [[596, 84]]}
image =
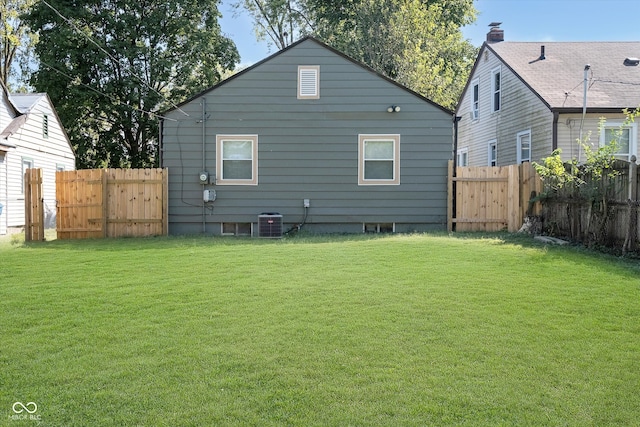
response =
{"points": [[491, 198], [96, 203], [33, 206]]}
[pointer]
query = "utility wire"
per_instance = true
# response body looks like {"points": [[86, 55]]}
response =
{"points": [[78, 30], [111, 98]]}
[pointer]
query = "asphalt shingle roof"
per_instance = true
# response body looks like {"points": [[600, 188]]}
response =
{"points": [[558, 78]]}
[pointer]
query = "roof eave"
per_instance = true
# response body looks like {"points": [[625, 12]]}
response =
{"points": [[590, 110]]}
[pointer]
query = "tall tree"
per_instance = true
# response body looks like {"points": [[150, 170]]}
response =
{"points": [[432, 57], [16, 42], [110, 66], [419, 43], [280, 22]]}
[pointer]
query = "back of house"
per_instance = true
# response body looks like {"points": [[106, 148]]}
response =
{"points": [[307, 138]]}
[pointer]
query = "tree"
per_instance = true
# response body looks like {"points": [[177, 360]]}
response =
{"points": [[415, 42], [16, 42], [432, 58], [280, 22], [110, 66]]}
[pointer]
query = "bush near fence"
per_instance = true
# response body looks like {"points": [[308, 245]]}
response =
{"points": [[605, 216]]}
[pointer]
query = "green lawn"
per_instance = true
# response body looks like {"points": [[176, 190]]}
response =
{"points": [[318, 331]]}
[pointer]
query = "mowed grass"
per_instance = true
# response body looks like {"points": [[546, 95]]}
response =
{"points": [[318, 331]]}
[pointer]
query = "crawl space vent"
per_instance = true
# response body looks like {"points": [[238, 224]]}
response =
{"points": [[270, 225]]}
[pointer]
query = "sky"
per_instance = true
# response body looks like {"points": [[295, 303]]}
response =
{"points": [[522, 20]]}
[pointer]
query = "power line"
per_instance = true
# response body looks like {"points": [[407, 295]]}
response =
{"points": [[78, 30], [112, 99]]}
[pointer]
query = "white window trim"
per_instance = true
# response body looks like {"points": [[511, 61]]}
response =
{"points": [[475, 103], [492, 143], [29, 161], [463, 152], [220, 139], [362, 138], [308, 72], [519, 136], [633, 137], [497, 70]]}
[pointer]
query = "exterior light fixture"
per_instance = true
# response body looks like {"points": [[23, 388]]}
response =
{"points": [[393, 109]]}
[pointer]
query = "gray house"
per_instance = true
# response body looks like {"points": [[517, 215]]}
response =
{"points": [[306, 138]]}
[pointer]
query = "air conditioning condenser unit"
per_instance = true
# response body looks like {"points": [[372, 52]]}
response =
{"points": [[270, 225]]}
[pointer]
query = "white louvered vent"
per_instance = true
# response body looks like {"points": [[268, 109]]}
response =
{"points": [[308, 82]]}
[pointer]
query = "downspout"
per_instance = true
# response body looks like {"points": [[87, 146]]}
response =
{"points": [[204, 162], [456, 119], [554, 131], [160, 143]]}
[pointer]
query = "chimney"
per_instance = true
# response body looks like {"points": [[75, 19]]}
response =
{"points": [[495, 34]]}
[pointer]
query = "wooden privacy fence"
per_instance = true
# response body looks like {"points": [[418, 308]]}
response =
{"points": [[602, 211], [492, 198], [97, 203], [33, 205]]}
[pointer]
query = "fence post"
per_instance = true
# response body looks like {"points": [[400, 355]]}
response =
{"points": [[514, 217], [165, 201], [632, 230], [27, 206], [450, 196], [105, 202]]}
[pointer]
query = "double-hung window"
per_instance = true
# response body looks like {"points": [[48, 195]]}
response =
{"points": [[475, 99], [625, 137], [462, 156], [237, 159], [496, 89], [493, 153], [524, 146], [378, 159]]}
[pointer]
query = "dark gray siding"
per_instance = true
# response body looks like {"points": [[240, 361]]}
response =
{"points": [[308, 149]]}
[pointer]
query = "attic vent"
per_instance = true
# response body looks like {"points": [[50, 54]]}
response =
{"points": [[308, 82], [270, 225], [631, 61]]}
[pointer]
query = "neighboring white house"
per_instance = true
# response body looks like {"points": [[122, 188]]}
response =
{"points": [[525, 99], [31, 136]]}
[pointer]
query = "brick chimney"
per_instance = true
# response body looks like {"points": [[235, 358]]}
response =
{"points": [[495, 34]]}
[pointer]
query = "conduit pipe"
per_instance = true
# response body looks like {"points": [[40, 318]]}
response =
{"points": [[204, 161]]}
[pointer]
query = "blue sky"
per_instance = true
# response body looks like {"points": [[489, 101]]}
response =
{"points": [[522, 20]]}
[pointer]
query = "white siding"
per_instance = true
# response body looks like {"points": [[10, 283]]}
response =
{"points": [[569, 133], [3, 193], [46, 153], [520, 110]]}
